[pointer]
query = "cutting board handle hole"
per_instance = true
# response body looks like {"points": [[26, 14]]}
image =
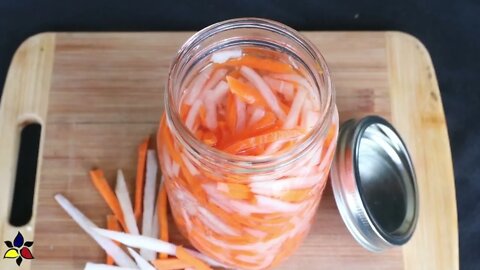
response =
{"points": [[24, 189]]}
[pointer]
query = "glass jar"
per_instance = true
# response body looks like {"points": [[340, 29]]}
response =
{"points": [[286, 187]]}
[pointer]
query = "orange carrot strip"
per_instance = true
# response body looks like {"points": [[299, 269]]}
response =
{"points": [[112, 224], [162, 216], [184, 111], [108, 195], [209, 138], [245, 92], [140, 179], [186, 257], [203, 115], [170, 264], [263, 139], [235, 191], [231, 114], [260, 64], [296, 195]]}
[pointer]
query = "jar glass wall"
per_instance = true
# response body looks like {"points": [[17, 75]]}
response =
{"points": [[243, 193]]}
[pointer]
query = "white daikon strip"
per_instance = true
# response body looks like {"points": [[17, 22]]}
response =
{"points": [[121, 190], [190, 167], [264, 89], [256, 233], [295, 109], [287, 89], [301, 81], [141, 262], [286, 184], [241, 113], [257, 114], [278, 205], [149, 200], [219, 92], [175, 168], [273, 148], [224, 56], [139, 241], [97, 266], [192, 114], [210, 112], [215, 223], [167, 162], [114, 251], [155, 225], [197, 85], [215, 78]]}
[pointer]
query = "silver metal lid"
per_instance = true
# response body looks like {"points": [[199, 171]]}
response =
{"points": [[374, 184]]}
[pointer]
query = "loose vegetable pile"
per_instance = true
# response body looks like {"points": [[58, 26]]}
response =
{"points": [[123, 224], [249, 102]]}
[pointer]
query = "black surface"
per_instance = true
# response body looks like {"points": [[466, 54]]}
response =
{"points": [[22, 204], [449, 29]]}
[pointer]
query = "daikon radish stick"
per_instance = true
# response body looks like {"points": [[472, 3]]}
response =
{"points": [[149, 201], [223, 56], [197, 86], [288, 183], [211, 113], [114, 251], [257, 114], [219, 92], [215, 78], [162, 205], [295, 109], [96, 266], [241, 114], [125, 203], [301, 81], [155, 224], [264, 89], [141, 262], [193, 114], [283, 87], [139, 241]]}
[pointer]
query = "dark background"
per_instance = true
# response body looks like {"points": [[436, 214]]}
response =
{"points": [[449, 29]]}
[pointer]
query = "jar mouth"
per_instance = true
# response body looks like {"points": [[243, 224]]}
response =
{"points": [[317, 69]]}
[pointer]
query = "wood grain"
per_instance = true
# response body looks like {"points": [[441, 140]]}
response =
{"points": [[25, 100], [418, 114], [106, 94]]}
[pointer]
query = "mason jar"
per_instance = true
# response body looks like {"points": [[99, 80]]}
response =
{"points": [[243, 210]]}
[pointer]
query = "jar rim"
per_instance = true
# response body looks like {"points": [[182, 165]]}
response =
{"points": [[251, 164]]}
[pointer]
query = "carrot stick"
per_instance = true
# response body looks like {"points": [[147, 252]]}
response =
{"points": [[140, 180], [108, 195], [263, 139], [186, 257], [162, 215], [260, 64], [112, 224], [245, 92], [170, 264]]}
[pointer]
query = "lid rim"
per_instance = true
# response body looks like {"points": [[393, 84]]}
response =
{"points": [[348, 191]]}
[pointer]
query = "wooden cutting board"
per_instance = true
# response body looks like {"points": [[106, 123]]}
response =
{"points": [[97, 95]]}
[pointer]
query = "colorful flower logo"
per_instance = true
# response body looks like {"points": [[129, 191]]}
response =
{"points": [[19, 250]]}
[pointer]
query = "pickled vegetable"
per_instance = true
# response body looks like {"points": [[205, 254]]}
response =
{"points": [[252, 103]]}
